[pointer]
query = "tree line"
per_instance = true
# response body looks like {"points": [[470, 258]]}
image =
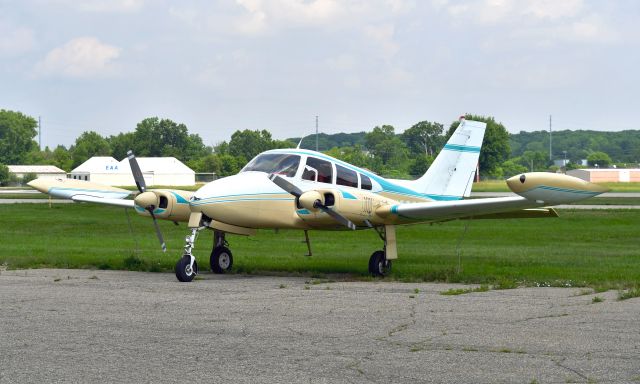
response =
{"points": [[382, 150]]}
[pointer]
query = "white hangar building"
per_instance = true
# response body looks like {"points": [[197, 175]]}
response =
{"points": [[106, 170], [41, 171]]}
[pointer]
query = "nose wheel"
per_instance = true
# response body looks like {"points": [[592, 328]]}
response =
{"points": [[186, 268]]}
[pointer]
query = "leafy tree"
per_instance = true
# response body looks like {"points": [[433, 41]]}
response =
{"points": [[353, 155], [388, 151], [512, 168], [534, 160], [424, 137], [220, 164], [16, 136], [4, 175], [249, 143], [599, 159], [28, 177], [420, 165], [87, 145], [62, 158], [120, 144], [154, 137], [495, 147]]}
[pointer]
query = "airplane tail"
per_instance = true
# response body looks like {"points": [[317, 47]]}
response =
{"points": [[452, 172]]}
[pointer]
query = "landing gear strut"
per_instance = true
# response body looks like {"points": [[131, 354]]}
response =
{"points": [[186, 267], [221, 259], [380, 261]]}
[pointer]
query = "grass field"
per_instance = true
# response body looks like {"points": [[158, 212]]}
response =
{"points": [[582, 248]]}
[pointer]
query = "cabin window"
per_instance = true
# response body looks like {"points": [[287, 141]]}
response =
{"points": [[318, 170], [345, 176], [278, 163], [365, 182]]}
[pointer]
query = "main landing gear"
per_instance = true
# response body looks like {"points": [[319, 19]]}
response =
{"points": [[221, 259], [380, 261]]}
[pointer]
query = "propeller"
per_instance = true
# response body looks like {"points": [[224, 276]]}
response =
{"points": [[317, 202], [147, 200]]}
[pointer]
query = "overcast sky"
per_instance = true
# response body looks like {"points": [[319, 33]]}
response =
{"points": [[220, 66]]}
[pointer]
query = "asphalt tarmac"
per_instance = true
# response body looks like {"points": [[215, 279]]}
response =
{"points": [[83, 326]]}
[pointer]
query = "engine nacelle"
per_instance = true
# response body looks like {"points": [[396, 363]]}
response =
{"points": [[168, 204], [356, 206]]}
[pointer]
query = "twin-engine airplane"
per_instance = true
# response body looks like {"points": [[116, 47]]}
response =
{"points": [[303, 189]]}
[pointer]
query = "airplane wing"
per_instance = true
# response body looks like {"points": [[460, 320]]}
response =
{"points": [[103, 200], [85, 191], [500, 207]]}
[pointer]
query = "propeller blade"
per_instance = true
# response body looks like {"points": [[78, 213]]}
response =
{"points": [[158, 233], [337, 217], [137, 173], [284, 184]]}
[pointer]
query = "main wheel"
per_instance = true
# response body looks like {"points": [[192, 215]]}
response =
{"points": [[221, 259], [378, 264], [184, 272]]}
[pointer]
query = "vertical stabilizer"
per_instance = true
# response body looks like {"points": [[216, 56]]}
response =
{"points": [[452, 172]]}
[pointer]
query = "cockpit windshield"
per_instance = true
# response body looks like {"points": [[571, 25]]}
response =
{"points": [[278, 163]]}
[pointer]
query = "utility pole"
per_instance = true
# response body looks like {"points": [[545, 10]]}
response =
{"points": [[40, 133], [550, 147], [316, 133]]}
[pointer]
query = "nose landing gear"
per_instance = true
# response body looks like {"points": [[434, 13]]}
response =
{"points": [[186, 267]]}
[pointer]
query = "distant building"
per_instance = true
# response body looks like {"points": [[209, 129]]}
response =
{"points": [[155, 170], [561, 162], [40, 171], [602, 175]]}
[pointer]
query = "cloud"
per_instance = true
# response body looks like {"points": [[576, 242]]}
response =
{"points": [[14, 40], [80, 57], [100, 6], [263, 14], [382, 36], [547, 21]]}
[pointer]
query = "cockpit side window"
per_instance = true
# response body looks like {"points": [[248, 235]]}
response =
{"points": [[365, 182], [278, 163], [345, 176], [318, 170]]}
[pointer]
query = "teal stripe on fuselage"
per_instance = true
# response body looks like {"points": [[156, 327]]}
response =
{"points": [[210, 201], [385, 184]]}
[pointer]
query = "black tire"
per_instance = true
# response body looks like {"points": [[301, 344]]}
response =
{"points": [[379, 265], [184, 273], [221, 260]]}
